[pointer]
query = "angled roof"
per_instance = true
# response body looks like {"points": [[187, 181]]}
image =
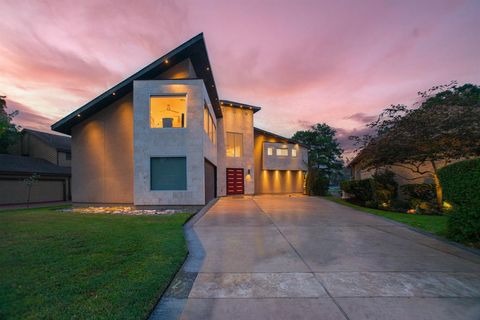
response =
{"points": [[60, 143], [195, 49], [268, 133], [12, 164], [234, 104]]}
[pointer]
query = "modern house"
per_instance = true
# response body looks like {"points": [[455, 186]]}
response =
{"points": [[44, 154], [163, 137]]}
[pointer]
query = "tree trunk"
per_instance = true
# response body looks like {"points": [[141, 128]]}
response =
{"points": [[438, 187]]}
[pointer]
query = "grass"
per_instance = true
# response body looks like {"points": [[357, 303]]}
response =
{"points": [[59, 265], [433, 224]]}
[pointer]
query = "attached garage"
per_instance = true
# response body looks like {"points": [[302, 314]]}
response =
{"points": [[52, 184]]}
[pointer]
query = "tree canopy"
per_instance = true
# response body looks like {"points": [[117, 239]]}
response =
{"points": [[8, 130], [324, 150], [445, 127]]}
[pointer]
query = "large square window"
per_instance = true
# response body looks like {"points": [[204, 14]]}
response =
{"points": [[168, 112], [168, 173], [234, 144]]}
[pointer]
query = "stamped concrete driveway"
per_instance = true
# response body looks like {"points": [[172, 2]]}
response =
{"points": [[280, 257]]}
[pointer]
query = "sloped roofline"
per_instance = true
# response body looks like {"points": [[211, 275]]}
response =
{"points": [[234, 104], [195, 49]]}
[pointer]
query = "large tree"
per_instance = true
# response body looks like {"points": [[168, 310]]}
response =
{"points": [[8, 131], [444, 126], [324, 152]]}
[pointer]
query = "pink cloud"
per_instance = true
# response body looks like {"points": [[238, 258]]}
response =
{"points": [[337, 62]]}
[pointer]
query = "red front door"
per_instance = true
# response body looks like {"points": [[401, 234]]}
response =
{"points": [[234, 181]]}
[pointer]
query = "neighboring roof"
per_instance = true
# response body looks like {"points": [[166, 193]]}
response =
{"points": [[268, 133], [60, 143], [239, 105], [18, 164], [195, 49]]}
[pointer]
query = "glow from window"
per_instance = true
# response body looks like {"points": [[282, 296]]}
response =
{"points": [[168, 112], [270, 151], [282, 152], [234, 144], [294, 153]]}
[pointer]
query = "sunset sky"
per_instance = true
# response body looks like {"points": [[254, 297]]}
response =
{"points": [[303, 62]]}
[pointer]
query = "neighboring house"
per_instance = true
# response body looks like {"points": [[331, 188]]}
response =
{"points": [[403, 175], [45, 154], [52, 184], [51, 147], [163, 137]]}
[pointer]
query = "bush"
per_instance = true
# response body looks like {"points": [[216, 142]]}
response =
{"points": [[421, 197], [377, 192], [385, 188], [317, 183], [361, 190], [460, 183]]}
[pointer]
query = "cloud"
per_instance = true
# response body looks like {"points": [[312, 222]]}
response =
{"points": [[361, 117], [28, 117]]}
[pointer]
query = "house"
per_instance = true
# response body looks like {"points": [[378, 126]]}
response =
{"points": [[51, 147], [162, 137], [44, 154]]}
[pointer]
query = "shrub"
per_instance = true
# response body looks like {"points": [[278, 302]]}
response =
{"points": [[361, 190], [421, 197], [317, 183], [460, 183], [385, 188], [377, 192]]}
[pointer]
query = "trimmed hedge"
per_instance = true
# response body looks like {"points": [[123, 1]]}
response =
{"points": [[461, 188]]}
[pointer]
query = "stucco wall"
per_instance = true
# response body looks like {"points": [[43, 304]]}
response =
{"points": [[276, 181], [102, 155], [174, 142], [62, 159], [239, 121], [274, 162]]}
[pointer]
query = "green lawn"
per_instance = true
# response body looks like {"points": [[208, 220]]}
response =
{"points": [[82, 266], [433, 224]]}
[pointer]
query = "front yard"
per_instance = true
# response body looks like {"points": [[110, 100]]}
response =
{"points": [[430, 223], [60, 265]]}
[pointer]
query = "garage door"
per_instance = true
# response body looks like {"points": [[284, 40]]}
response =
{"points": [[210, 181], [234, 181]]}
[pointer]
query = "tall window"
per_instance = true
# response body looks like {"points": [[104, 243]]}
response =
{"points": [[209, 125], [234, 144], [168, 112], [294, 153], [270, 151], [168, 173]]}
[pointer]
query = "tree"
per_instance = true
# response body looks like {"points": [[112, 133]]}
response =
{"points": [[324, 154], [445, 127], [29, 182], [8, 131]]}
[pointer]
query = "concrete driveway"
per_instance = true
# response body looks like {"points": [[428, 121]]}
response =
{"points": [[280, 257]]}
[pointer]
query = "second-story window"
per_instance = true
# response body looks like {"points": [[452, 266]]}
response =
{"points": [[270, 151], [168, 112], [294, 153], [282, 152], [234, 144], [209, 125]]}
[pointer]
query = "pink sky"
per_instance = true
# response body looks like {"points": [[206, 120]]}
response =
{"points": [[303, 62]]}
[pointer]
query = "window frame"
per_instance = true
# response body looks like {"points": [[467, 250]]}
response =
{"points": [[235, 134], [179, 95], [281, 149], [168, 189]]}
